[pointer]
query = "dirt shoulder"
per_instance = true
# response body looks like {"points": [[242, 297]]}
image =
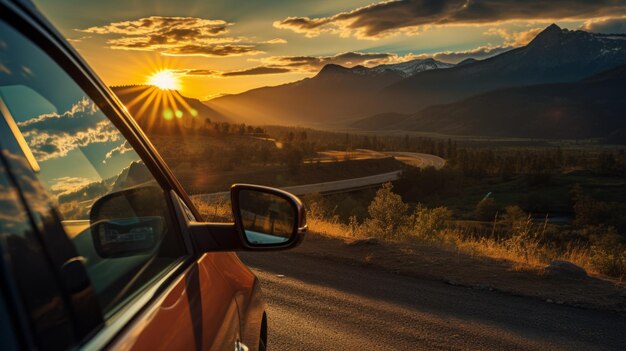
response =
{"points": [[457, 268]]}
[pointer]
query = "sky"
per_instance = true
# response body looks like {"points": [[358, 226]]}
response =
{"points": [[225, 47]]}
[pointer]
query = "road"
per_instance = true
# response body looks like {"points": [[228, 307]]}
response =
{"points": [[334, 187], [419, 160], [338, 186], [315, 304], [415, 159]]}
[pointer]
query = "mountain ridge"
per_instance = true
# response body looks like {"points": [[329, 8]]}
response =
{"points": [[589, 108], [337, 96], [341, 89]]}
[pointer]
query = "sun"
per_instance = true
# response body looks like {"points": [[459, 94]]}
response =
{"points": [[164, 80]]}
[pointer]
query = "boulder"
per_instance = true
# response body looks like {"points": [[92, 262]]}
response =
{"points": [[565, 269]]}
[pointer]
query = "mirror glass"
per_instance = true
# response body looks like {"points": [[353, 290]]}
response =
{"points": [[267, 219], [128, 222]]}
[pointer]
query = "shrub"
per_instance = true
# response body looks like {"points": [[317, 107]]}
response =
{"points": [[427, 223], [611, 262], [387, 214], [316, 206], [486, 209]]}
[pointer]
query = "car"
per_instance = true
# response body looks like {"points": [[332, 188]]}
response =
{"points": [[101, 246]]}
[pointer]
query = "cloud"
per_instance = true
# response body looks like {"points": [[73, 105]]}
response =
{"points": [[197, 72], [174, 27], [180, 36], [512, 39], [606, 26], [314, 63], [53, 135], [67, 185], [244, 72], [256, 71], [118, 150], [392, 17], [47, 145], [83, 106], [275, 41], [79, 39], [479, 53], [212, 50], [515, 39], [351, 59], [308, 64]]}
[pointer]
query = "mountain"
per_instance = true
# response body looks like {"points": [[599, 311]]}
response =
{"points": [[381, 121], [338, 96], [332, 96], [554, 55], [156, 110], [409, 68], [589, 108]]}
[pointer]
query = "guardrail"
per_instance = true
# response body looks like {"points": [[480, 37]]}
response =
{"points": [[334, 187]]}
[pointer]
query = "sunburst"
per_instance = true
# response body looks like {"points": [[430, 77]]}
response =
{"points": [[165, 80]]}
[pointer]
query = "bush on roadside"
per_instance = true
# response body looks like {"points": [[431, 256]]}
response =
{"points": [[387, 215], [609, 261], [486, 210], [428, 223]]}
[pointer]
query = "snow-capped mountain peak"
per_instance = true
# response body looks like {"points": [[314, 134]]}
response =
{"points": [[409, 68]]}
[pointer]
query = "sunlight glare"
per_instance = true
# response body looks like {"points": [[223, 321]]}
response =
{"points": [[164, 80]]}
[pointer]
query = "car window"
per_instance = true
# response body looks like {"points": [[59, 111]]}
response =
{"points": [[26, 263], [110, 205]]}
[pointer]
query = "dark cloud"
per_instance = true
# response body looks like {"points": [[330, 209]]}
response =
{"points": [[606, 26], [412, 16], [256, 71]]}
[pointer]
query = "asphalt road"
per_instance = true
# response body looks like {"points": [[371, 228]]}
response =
{"points": [[315, 304], [412, 158], [417, 159]]}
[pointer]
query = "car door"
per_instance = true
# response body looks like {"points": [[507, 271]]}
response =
{"points": [[70, 153]]}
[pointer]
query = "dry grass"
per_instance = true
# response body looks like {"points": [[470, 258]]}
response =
{"points": [[219, 211], [523, 246]]}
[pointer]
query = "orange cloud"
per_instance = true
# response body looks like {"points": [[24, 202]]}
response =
{"points": [[177, 36], [515, 39]]}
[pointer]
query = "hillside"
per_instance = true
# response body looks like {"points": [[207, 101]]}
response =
{"points": [[338, 96], [555, 55], [334, 95], [590, 108], [163, 110]]}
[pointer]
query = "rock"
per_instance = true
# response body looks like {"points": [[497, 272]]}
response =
{"points": [[364, 242], [565, 269], [451, 281]]}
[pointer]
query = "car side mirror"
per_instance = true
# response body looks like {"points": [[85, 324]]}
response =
{"points": [[128, 222], [267, 217]]}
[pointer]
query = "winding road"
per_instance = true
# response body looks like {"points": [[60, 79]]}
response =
{"points": [[412, 158], [316, 304]]}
